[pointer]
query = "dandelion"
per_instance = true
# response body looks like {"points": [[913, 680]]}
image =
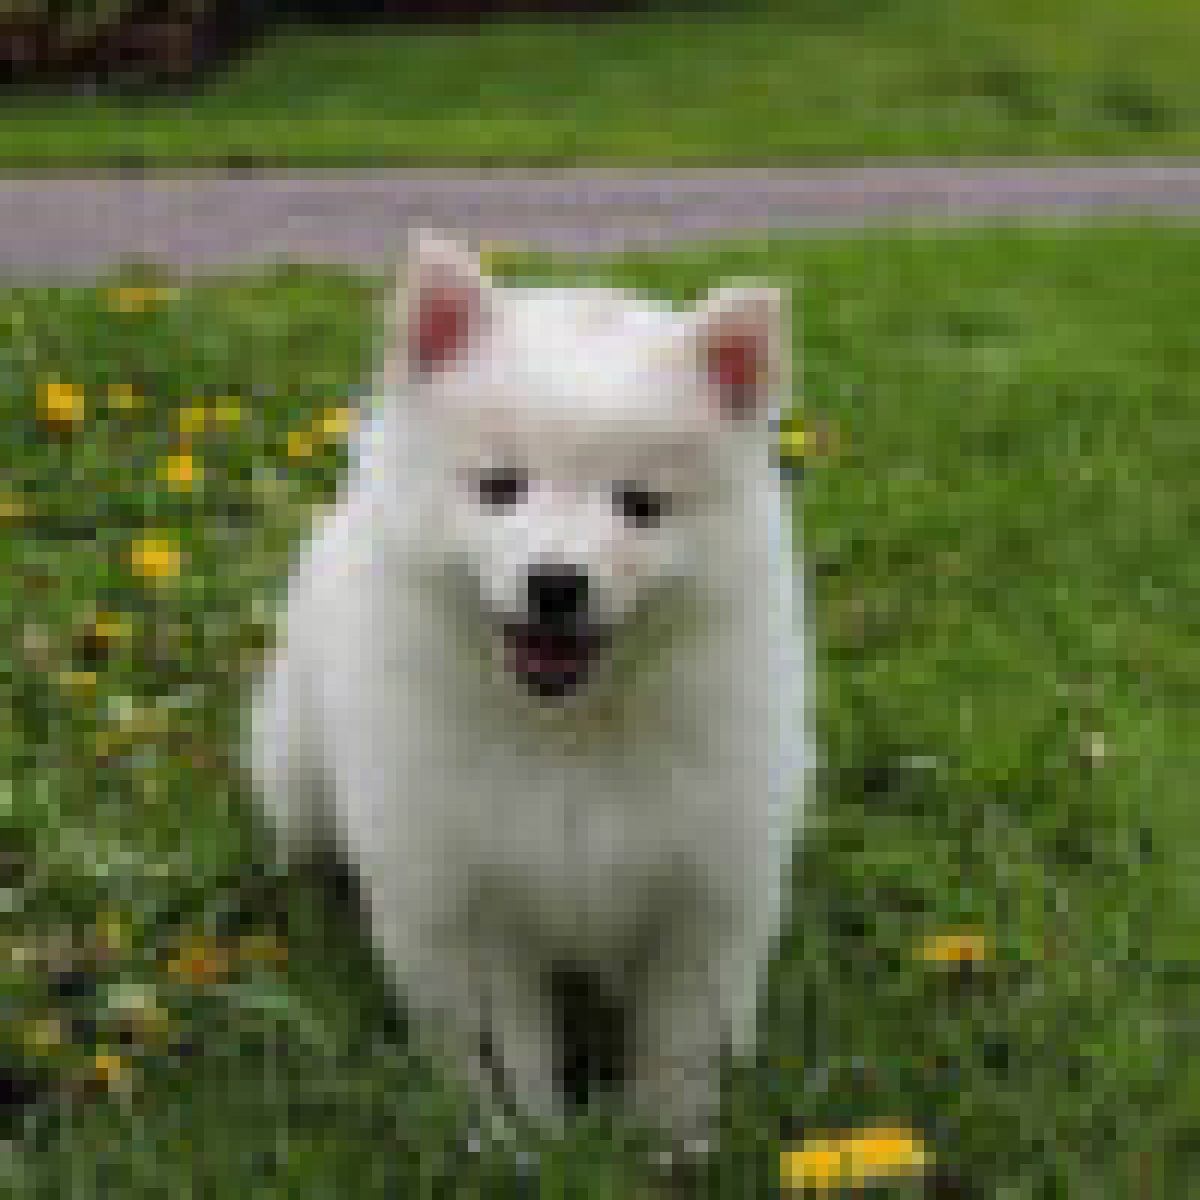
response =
{"points": [[61, 405], [13, 509], [795, 443], [180, 471], [111, 1070], [192, 418], [955, 949], [300, 444], [334, 423], [859, 1159], [199, 962], [227, 412], [130, 299], [155, 558]]}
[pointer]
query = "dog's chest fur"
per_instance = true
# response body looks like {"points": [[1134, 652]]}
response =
{"points": [[575, 855]]}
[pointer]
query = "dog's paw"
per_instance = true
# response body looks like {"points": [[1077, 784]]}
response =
{"points": [[695, 1149], [497, 1133], [493, 1130], [680, 1169]]}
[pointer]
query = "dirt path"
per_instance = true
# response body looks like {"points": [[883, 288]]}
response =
{"points": [[73, 227]]}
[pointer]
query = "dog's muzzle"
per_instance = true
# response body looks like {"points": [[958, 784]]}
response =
{"points": [[553, 647], [551, 660]]}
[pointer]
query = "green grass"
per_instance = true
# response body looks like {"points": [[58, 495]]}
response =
{"points": [[1000, 539], [767, 80]]}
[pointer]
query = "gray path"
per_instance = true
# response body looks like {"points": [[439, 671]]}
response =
{"points": [[73, 227]]}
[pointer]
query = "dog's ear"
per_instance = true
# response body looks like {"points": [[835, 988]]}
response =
{"points": [[442, 306], [738, 339]]}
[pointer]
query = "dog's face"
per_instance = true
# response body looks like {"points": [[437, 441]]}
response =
{"points": [[589, 448]]}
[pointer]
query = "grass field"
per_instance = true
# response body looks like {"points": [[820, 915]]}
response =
{"points": [[763, 80], [993, 946]]}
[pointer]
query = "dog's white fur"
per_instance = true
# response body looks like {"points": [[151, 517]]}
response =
{"points": [[652, 812]]}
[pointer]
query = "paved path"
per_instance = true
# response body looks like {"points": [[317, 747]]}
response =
{"points": [[73, 227]]}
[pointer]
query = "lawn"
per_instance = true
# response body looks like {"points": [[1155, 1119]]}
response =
{"points": [[753, 82], [994, 913]]}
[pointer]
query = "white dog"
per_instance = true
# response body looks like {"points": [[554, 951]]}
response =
{"points": [[541, 680]]}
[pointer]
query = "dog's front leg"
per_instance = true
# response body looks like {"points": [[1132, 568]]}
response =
{"points": [[699, 1003], [680, 1037], [443, 984], [521, 1024]]}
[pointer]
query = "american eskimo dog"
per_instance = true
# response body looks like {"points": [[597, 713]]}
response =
{"points": [[541, 681]]}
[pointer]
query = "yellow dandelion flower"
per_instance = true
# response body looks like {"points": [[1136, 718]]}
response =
{"points": [[965, 946], [227, 412], [111, 1070], [130, 299], [814, 1166], [335, 423], [199, 962], [300, 444], [43, 1036], [61, 404], [155, 558], [12, 509], [795, 443], [857, 1159], [180, 471], [192, 418], [123, 398], [889, 1151], [78, 683]]}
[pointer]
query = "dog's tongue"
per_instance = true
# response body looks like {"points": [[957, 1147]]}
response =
{"points": [[536, 654]]}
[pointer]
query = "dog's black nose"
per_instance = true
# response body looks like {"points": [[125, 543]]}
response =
{"points": [[557, 595]]}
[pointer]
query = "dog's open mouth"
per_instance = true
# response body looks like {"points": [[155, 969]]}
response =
{"points": [[550, 662]]}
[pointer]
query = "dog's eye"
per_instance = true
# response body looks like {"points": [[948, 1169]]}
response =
{"points": [[501, 487], [639, 506]]}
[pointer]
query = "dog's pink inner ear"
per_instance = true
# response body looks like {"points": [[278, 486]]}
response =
{"points": [[442, 322], [736, 362]]}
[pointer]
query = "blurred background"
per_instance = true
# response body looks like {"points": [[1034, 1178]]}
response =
{"points": [[377, 81]]}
